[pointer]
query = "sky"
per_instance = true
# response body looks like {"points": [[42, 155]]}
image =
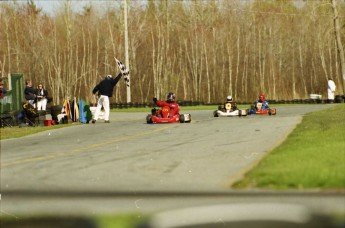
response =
{"points": [[49, 6]]}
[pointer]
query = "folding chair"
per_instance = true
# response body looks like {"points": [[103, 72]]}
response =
{"points": [[6, 120], [30, 114]]}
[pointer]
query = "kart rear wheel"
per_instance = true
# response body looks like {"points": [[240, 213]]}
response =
{"points": [[273, 111], [190, 119], [149, 119]]}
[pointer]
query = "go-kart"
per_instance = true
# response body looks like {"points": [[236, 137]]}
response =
{"points": [[260, 111], [227, 111], [163, 116]]}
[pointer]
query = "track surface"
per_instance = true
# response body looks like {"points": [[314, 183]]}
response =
{"points": [[129, 165]]}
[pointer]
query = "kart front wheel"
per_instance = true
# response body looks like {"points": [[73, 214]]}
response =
{"points": [[181, 118]]}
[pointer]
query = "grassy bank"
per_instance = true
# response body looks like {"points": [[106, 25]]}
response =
{"points": [[17, 132], [312, 157]]}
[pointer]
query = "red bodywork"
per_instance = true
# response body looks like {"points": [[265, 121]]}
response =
{"points": [[163, 116], [270, 111]]}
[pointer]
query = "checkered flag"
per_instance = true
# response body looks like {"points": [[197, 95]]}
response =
{"points": [[123, 70]]}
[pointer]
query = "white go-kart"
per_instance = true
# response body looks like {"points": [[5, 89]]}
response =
{"points": [[226, 111]]}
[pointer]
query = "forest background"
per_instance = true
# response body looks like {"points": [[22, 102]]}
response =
{"points": [[202, 50]]}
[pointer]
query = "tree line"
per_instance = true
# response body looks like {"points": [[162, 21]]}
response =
{"points": [[200, 50]]}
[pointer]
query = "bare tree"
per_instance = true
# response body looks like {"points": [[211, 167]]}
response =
{"points": [[339, 42]]}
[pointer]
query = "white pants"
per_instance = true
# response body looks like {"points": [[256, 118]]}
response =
{"points": [[42, 104], [330, 94], [32, 102], [103, 101]]}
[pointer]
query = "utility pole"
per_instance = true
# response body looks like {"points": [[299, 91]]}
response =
{"points": [[126, 51]]}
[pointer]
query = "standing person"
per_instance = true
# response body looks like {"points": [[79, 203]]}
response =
{"points": [[331, 90], [42, 95], [105, 90], [30, 93]]}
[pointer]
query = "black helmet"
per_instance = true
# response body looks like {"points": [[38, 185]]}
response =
{"points": [[171, 96]]}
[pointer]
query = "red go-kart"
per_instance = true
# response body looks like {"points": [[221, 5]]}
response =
{"points": [[164, 116]]}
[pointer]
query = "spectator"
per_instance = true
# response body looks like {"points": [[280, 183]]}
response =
{"points": [[30, 93], [331, 90], [2, 90], [42, 98], [105, 90]]}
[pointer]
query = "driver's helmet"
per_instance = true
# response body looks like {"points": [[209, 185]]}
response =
{"points": [[261, 97], [171, 97], [229, 99]]}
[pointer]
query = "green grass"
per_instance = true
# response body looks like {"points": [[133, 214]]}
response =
{"points": [[188, 108], [182, 108], [312, 157], [120, 220], [129, 220], [17, 132]]}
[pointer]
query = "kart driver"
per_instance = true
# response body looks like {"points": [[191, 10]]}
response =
{"points": [[261, 104], [174, 107], [230, 100]]}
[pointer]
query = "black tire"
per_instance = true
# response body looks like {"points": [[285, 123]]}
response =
{"points": [[181, 118], [215, 113], [149, 119]]}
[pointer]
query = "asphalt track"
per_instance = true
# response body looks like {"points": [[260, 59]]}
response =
{"points": [[131, 166]]}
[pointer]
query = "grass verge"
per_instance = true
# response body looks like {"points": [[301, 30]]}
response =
{"points": [[17, 132], [312, 157]]}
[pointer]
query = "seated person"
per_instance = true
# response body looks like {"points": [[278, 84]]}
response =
{"points": [[261, 104], [170, 102], [230, 104]]}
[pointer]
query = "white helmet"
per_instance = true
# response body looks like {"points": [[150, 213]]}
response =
{"points": [[229, 98]]}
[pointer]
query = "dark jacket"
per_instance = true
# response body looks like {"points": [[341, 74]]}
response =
{"points": [[106, 86], [30, 93], [41, 95]]}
